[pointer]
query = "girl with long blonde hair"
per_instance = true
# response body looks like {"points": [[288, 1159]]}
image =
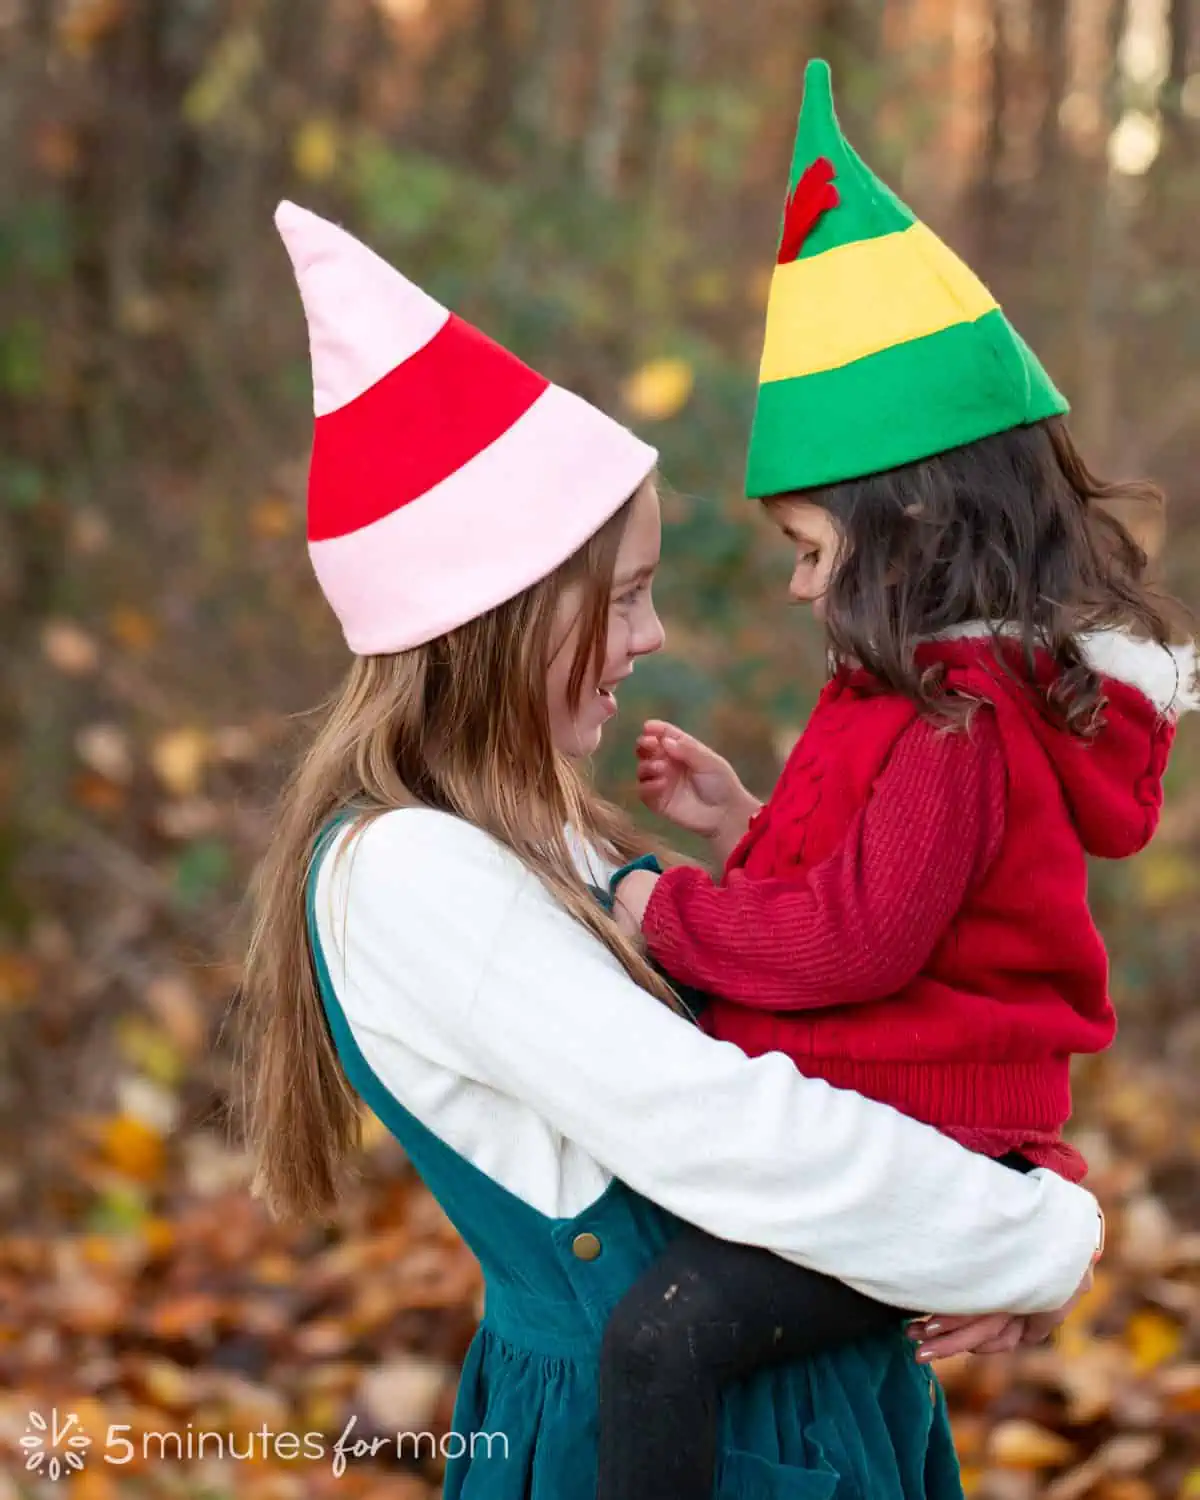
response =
{"points": [[426, 943]]}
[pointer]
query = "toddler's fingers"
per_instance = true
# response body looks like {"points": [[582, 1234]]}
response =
{"points": [[659, 727], [687, 751]]}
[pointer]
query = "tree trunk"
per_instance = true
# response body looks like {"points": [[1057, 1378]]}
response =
{"points": [[669, 36], [604, 144], [1170, 98], [550, 48], [1096, 411], [1050, 39], [670, 62], [987, 195], [492, 103]]}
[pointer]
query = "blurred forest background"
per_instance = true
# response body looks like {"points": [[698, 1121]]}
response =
{"points": [[598, 184]]}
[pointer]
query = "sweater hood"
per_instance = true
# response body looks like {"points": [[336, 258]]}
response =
{"points": [[1112, 782]]}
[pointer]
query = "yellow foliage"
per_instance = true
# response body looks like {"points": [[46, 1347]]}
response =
{"points": [[968, 1431], [1025, 1445], [1128, 1487], [234, 61], [166, 1384], [178, 758], [83, 23], [132, 628], [709, 288], [150, 1050], [93, 1484], [97, 1249], [315, 149], [1167, 875], [18, 980], [659, 389], [158, 1236], [134, 1149], [403, 10], [273, 517], [1153, 1339]]}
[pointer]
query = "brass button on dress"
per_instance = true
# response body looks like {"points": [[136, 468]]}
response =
{"points": [[586, 1246]]}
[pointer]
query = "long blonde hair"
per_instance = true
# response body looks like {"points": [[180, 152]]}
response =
{"points": [[460, 724]]}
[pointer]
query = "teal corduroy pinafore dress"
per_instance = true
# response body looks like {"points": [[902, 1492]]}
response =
{"points": [[864, 1422]]}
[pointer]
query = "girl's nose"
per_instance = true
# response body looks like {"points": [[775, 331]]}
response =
{"points": [[651, 638]]}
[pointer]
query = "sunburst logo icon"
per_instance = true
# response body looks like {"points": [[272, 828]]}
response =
{"points": [[52, 1449]]}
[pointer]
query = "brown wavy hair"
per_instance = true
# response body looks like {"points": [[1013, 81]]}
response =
{"points": [[1011, 531], [460, 725]]}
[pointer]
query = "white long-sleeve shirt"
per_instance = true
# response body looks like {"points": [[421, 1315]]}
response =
{"points": [[519, 1040]]}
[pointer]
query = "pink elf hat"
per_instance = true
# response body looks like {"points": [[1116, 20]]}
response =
{"points": [[446, 475]]}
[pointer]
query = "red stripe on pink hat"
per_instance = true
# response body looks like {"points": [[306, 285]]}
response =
{"points": [[414, 428]]}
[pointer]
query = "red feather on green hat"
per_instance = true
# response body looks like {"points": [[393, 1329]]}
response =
{"points": [[812, 196]]}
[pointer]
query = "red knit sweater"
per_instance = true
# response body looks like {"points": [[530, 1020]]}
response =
{"points": [[907, 916]]}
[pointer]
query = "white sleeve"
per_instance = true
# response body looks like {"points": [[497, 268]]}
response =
{"points": [[446, 928]]}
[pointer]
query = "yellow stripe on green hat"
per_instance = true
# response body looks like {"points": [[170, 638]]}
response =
{"points": [[881, 347]]}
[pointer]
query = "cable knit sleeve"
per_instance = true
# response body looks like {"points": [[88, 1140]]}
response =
{"points": [[862, 924]]}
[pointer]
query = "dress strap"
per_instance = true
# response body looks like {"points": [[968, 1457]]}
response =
{"points": [[454, 1180]]}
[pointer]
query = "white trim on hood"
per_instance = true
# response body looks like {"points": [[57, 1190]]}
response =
{"points": [[1166, 675]]}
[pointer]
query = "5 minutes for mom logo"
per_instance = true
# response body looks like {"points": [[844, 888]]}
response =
{"points": [[54, 1450]]}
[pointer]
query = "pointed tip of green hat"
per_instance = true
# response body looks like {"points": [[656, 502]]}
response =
{"points": [[818, 132], [818, 89], [818, 75]]}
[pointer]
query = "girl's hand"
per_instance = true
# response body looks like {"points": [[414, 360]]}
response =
{"points": [[682, 779], [938, 1338]]}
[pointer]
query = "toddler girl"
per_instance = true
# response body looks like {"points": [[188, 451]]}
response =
{"points": [[907, 916]]}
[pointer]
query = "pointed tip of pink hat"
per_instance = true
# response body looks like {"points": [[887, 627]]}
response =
{"points": [[290, 220], [288, 214], [364, 318], [305, 233]]}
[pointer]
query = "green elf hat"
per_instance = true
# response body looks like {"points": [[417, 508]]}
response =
{"points": [[881, 346]]}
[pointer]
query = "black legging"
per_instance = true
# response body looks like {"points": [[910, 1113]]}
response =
{"points": [[708, 1312]]}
